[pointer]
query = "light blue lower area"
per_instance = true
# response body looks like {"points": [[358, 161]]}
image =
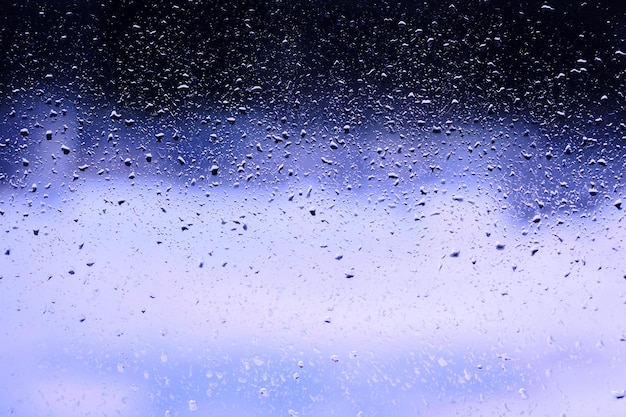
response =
{"points": [[151, 300]]}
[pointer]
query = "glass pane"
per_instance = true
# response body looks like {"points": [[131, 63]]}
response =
{"points": [[296, 209]]}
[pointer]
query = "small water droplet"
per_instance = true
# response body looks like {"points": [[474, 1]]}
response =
{"points": [[193, 406], [523, 393], [619, 394]]}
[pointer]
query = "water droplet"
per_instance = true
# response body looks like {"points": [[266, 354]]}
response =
{"points": [[193, 406], [619, 394], [523, 393]]}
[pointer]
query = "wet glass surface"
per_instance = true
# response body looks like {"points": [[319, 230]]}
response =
{"points": [[286, 209]]}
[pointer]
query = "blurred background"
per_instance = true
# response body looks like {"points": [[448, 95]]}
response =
{"points": [[289, 209]]}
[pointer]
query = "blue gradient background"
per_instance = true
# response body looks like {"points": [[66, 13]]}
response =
{"points": [[454, 273]]}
